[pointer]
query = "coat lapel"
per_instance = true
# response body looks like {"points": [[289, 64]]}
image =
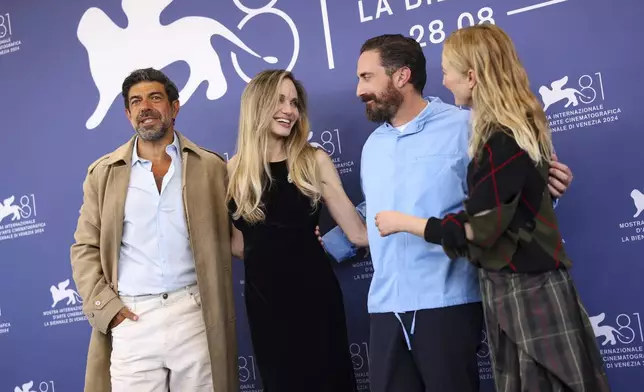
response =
{"points": [[195, 194], [114, 206], [121, 180], [186, 190], [190, 175]]}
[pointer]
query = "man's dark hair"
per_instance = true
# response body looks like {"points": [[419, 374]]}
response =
{"points": [[149, 75], [398, 51]]}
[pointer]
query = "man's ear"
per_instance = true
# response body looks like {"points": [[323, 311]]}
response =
{"points": [[401, 77], [176, 106]]}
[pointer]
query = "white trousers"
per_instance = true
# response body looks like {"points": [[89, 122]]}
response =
{"points": [[166, 349]]}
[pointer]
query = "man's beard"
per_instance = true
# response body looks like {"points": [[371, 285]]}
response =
{"points": [[152, 132], [384, 106]]}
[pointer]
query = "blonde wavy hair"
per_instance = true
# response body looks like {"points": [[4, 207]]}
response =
{"points": [[251, 173], [502, 94]]}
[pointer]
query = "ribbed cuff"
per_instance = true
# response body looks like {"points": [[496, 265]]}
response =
{"points": [[433, 231]]}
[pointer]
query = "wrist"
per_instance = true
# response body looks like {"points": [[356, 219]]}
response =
{"points": [[404, 223], [433, 231]]}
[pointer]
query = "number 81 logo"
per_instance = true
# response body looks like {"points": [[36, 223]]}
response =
{"points": [[329, 142], [628, 329]]}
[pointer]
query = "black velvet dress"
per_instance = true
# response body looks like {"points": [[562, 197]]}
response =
{"points": [[293, 299]]}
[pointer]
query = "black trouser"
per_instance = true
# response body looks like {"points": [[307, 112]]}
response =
{"points": [[443, 350]]}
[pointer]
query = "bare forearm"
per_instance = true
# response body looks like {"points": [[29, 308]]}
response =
{"points": [[340, 206], [417, 226], [413, 225], [346, 216], [237, 242], [237, 246], [358, 234], [238, 253]]}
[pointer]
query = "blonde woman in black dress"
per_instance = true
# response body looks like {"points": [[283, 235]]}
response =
{"points": [[278, 183]]}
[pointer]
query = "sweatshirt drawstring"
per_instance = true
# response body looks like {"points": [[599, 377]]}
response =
{"points": [[411, 333]]}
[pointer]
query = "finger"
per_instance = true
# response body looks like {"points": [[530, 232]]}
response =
{"points": [[562, 176], [562, 173], [560, 167], [117, 320], [128, 314], [558, 185], [553, 191], [554, 157]]}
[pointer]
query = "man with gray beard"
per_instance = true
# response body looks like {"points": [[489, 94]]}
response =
{"points": [[152, 257]]}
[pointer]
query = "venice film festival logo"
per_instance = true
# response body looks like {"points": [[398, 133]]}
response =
{"points": [[484, 362], [8, 41], [43, 386], [19, 217], [633, 229], [621, 340], [186, 39], [583, 105], [66, 305], [5, 325], [638, 201], [26, 387]]}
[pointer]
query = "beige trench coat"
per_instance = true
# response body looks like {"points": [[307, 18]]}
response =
{"points": [[95, 254]]}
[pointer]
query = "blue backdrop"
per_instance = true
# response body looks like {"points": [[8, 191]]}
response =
{"points": [[62, 64]]}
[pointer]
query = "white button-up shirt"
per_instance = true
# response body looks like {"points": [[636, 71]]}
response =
{"points": [[155, 255]]}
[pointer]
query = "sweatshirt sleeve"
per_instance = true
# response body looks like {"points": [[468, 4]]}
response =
{"points": [[499, 175]]}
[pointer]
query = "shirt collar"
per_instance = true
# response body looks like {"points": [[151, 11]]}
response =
{"points": [[411, 123], [171, 148]]}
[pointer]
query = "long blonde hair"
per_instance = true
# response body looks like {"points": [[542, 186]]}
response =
{"points": [[502, 94], [251, 171]]}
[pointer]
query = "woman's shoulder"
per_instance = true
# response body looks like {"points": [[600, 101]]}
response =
{"points": [[501, 147], [323, 161], [320, 154], [500, 137]]}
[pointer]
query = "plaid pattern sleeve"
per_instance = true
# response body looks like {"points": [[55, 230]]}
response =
{"points": [[497, 177], [497, 180]]}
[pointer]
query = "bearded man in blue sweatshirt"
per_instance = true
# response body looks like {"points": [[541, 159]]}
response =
{"points": [[426, 314]]}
